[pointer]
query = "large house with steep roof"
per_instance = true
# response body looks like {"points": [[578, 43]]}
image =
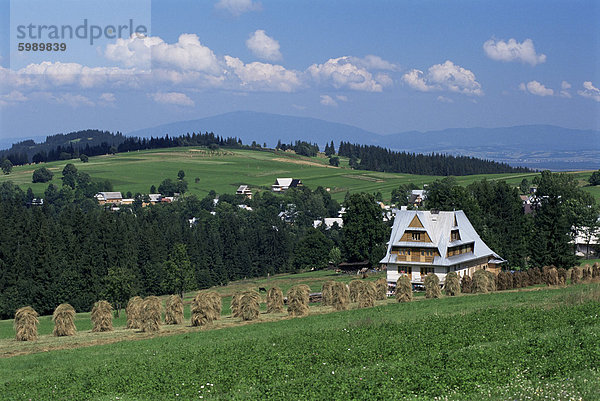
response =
{"points": [[425, 242]]}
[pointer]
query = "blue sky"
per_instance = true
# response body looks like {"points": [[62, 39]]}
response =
{"points": [[385, 66]]}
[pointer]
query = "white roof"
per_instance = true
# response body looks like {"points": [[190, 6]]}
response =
{"points": [[438, 226], [109, 195], [284, 182]]}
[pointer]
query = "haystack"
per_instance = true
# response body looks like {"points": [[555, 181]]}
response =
{"points": [[274, 300], [326, 293], [432, 286], [26, 322], [354, 289], [403, 291], [504, 281], [235, 304], [552, 276], [249, 305], [134, 313], [64, 321], [562, 276], [466, 284], [586, 273], [534, 277], [203, 309], [575, 274], [102, 317], [596, 270], [451, 284], [174, 310], [340, 296], [367, 294], [483, 282], [151, 314], [298, 301], [381, 286], [217, 304]]}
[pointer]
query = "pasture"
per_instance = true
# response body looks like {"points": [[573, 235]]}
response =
{"points": [[224, 170], [537, 343]]}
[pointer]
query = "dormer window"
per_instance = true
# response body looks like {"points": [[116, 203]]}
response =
{"points": [[454, 235], [416, 236]]}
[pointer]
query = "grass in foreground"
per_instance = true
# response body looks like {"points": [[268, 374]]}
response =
{"points": [[538, 344]]}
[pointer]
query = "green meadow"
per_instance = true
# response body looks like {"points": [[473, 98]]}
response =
{"points": [[529, 344], [224, 170]]}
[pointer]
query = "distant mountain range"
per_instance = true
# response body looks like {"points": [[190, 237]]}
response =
{"points": [[535, 146]]}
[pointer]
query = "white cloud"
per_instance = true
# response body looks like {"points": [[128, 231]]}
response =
{"points": [[176, 98], [590, 91], [108, 97], [513, 51], [536, 88], [341, 72], [12, 98], [262, 76], [327, 100], [444, 77], [372, 62], [342, 98], [564, 85], [237, 7], [444, 99], [263, 46], [70, 99]]}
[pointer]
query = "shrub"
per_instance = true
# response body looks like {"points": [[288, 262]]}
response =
{"points": [[354, 288], [340, 296], [451, 284], [174, 310], [326, 293], [64, 321], [102, 317], [42, 174], [26, 324], [466, 284], [403, 290], [274, 300], [134, 313], [366, 295], [432, 286], [151, 314], [249, 305], [298, 301], [381, 286]]}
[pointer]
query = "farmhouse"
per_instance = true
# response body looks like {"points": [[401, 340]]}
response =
{"points": [[109, 197], [425, 242], [282, 184], [244, 190]]}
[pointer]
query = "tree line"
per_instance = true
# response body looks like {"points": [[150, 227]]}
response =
{"points": [[376, 158]]}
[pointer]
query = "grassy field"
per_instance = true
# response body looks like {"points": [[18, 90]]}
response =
{"points": [[533, 344], [224, 170]]}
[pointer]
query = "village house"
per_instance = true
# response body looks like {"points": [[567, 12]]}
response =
{"points": [[109, 197], [416, 197], [425, 242], [282, 184], [329, 222], [244, 190]]}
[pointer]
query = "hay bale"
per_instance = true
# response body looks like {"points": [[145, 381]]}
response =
{"points": [[206, 308], [134, 313], [102, 317], [298, 301], [274, 300], [432, 286], [326, 293], [64, 321], [586, 273], [367, 294], [596, 270], [403, 290], [381, 287], [151, 314], [575, 274], [249, 305], [340, 296], [451, 284], [174, 310], [552, 276], [26, 324], [502, 281], [534, 276], [482, 282], [354, 287], [466, 284]]}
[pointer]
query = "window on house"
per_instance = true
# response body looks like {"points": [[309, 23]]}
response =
{"points": [[454, 236], [404, 270], [426, 270], [416, 236]]}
